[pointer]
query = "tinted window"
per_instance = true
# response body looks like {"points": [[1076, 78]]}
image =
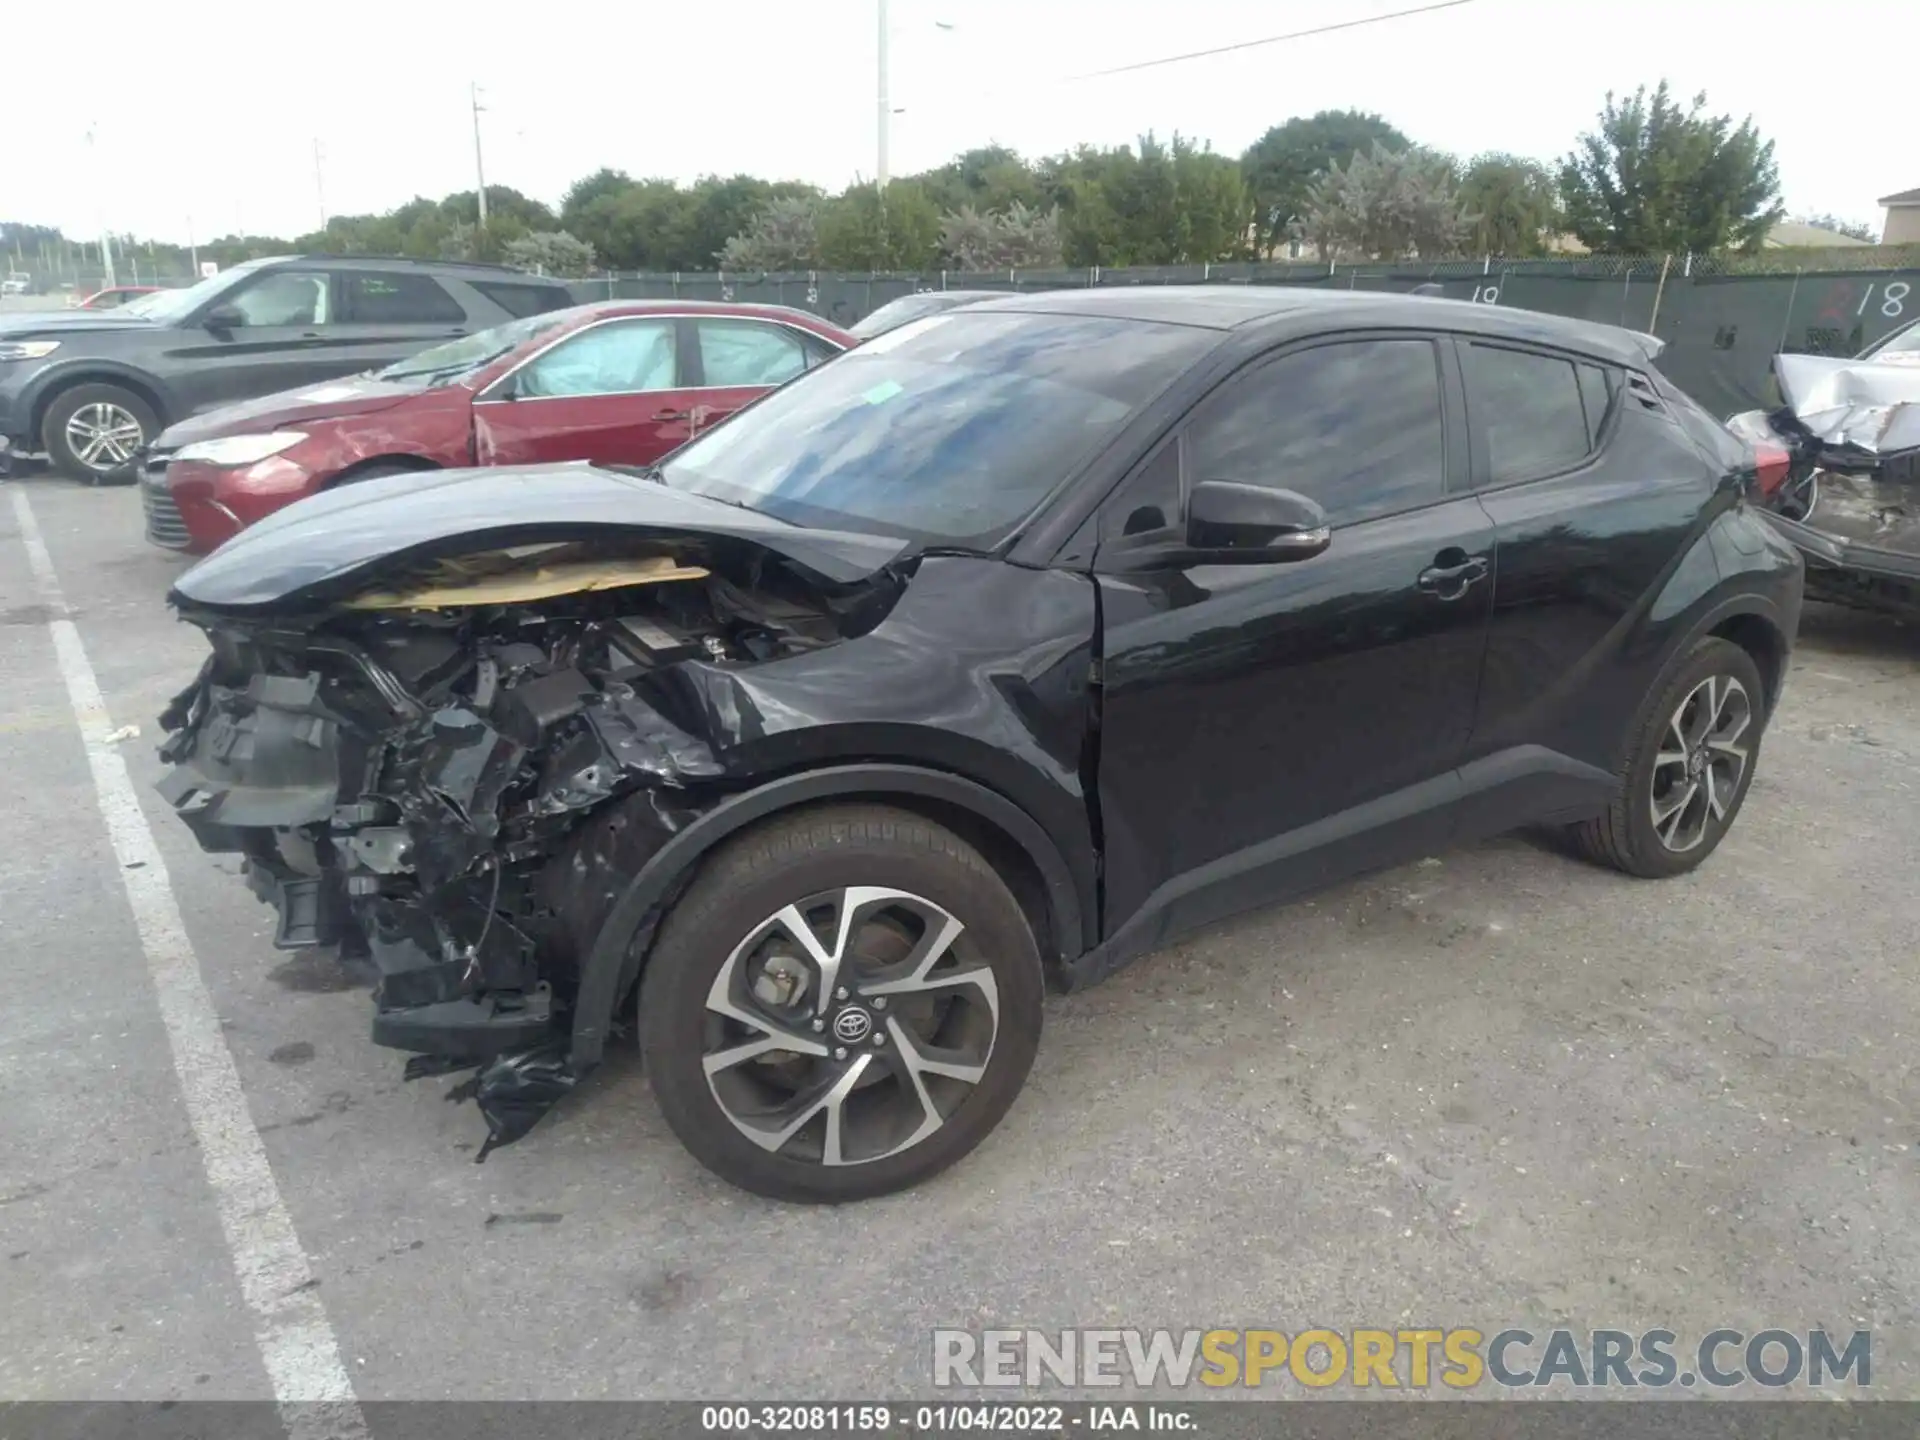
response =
{"points": [[523, 300], [1596, 394], [283, 297], [951, 428], [745, 352], [1355, 426], [1528, 411], [1151, 500], [374, 297], [624, 357]]}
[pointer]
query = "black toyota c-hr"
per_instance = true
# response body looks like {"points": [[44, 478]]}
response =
{"points": [[996, 653]]}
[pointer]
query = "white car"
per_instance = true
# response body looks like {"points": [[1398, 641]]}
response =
{"points": [[14, 285]]}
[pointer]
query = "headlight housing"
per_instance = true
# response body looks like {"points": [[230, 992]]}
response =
{"points": [[240, 449], [26, 349]]}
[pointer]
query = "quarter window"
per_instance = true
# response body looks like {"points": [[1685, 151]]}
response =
{"points": [[1355, 426], [1536, 414], [625, 357], [744, 353], [375, 297]]}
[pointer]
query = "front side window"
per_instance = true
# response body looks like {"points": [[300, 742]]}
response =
{"points": [[747, 352], [281, 298], [1355, 426], [374, 297], [470, 352], [623, 357], [1529, 411], [951, 429]]}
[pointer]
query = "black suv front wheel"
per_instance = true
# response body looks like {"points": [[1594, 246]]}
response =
{"points": [[844, 1003], [92, 432]]}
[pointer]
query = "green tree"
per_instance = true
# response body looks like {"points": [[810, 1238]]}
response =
{"points": [[1515, 205], [783, 235], [1387, 205], [1282, 164], [1015, 237], [550, 252], [987, 180], [862, 230], [1160, 203], [1655, 179]]}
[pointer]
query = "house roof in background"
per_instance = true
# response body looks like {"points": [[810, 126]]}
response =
{"points": [[1796, 234], [1905, 197]]}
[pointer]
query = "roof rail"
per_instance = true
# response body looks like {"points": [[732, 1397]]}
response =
{"points": [[404, 260]]}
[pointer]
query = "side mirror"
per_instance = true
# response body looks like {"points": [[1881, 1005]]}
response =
{"points": [[1232, 523], [224, 317]]}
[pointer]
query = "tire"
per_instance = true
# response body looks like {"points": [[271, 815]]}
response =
{"points": [[899, 1122], [1640, 833], [111, 409]]}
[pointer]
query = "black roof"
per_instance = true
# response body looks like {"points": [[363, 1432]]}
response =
{"points": [[1303, 309]]}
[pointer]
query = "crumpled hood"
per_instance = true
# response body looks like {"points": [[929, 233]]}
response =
{"points": [[356, 395], [329, 544], [1867, 407]]}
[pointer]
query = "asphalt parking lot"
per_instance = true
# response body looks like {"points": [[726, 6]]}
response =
{"points": [[1497, 1087]]}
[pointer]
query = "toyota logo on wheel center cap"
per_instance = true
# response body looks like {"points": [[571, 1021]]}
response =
{"points": [[852, 1026]]}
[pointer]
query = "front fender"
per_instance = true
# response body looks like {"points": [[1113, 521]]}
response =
{"points": [[40, 391], [610, 966]]}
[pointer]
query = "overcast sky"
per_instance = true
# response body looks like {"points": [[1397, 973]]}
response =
{"points": [[206, 114]]}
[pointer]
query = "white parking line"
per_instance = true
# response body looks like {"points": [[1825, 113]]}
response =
{"points": [[291, 1328]]}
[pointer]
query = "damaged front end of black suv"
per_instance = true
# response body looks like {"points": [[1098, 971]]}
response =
{"points": [[412, 727]]}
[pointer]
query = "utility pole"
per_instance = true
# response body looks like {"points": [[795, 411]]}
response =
{"points": [[319, 184], [193, 251], [106, 246], [885, 102], [479, 167]]}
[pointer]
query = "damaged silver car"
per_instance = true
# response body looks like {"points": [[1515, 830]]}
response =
{"points": [[998, 652], [1840, 470]]}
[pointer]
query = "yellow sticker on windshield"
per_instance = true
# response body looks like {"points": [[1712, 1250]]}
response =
{"points": [[882, 392]]}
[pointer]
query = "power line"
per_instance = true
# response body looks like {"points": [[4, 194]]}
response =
{"points": [[1268, 40]]}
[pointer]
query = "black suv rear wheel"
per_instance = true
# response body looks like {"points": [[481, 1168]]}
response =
{"points": [[92, 432], [1689, 768], [844, 1002]]}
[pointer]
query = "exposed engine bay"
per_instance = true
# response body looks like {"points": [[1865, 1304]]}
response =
{"points": [[1849, 493], [447, 771]]}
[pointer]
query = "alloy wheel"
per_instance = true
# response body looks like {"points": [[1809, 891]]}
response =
{"points": [[1701, 763], [849, 1026], [103, 435]]}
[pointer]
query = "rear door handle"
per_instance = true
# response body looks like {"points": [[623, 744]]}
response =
{"points": [[1450, 582], [662, 416]]}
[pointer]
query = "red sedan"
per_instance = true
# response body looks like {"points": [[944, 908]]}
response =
{"points": [[620, 383]]}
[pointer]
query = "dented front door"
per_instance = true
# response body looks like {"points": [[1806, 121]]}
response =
{"points": [[616, 393]]}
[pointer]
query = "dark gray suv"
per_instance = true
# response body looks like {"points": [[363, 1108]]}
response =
{"points": [[90, 388]]}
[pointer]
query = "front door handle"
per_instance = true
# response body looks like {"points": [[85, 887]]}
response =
{"points": [[663, 416], [1450, 582]]}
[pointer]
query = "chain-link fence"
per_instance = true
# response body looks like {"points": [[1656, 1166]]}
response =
{"points": [[1723, 318]]}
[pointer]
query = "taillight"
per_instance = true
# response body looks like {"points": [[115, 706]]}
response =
{"points": [[1770, 466]]}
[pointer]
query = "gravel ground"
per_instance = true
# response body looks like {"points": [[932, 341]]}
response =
{"points": [[1495, 1088]]}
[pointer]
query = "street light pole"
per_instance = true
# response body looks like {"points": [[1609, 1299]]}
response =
{"points": [[479, 169], [106, 243], [885, 99], [319, 185]]}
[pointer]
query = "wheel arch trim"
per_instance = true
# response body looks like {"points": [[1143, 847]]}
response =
{"points": [[52, 385], [605, 971]]}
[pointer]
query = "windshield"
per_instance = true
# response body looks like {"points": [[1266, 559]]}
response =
{"points": [[949, 430], [171, 304], [1902, 343], [895, 313], [459, 357]]}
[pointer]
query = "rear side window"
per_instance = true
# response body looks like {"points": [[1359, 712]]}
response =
{"points": [[376, 297], [749, 353], [1537, 415], [521, 301]]}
